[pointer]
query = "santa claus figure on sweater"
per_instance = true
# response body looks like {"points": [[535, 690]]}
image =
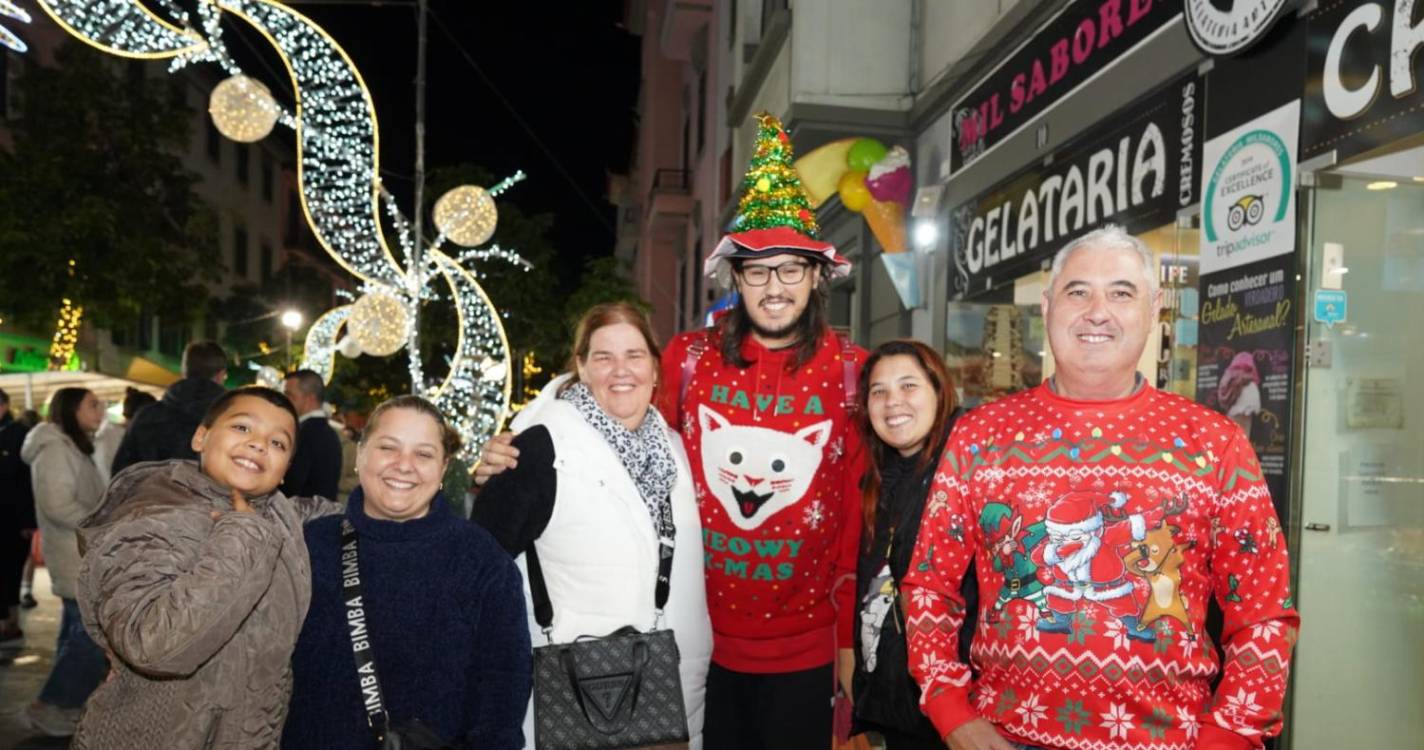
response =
{"points": [[1080, 562]]}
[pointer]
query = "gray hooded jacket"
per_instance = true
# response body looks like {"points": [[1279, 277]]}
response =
{"points": [[200, 614], [67, 488]]}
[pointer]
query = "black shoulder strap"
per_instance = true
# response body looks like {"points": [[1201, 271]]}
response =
{"points": [[371, 696], [539, 591]]}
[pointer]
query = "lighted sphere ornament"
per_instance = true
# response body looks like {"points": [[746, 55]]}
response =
{"points": [[349, 347], [466, 215], [269, 377], [243, 109], [379, 323]]}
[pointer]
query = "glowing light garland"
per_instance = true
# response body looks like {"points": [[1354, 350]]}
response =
{"points": [[338, 168], [66, 334], [319, 351], [7, 37]]}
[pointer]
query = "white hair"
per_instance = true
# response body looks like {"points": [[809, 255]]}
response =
{"points": [[1107, 237]]}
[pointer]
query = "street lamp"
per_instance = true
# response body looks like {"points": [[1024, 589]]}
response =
{"points": [[291, 320]]}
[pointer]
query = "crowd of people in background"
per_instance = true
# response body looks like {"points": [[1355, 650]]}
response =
{"points": [[851, 551]]}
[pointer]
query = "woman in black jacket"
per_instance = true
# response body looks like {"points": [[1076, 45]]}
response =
{"points": [[907, 409]]}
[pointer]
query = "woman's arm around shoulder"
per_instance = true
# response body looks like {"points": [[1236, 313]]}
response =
{"points": [[516, 506]]}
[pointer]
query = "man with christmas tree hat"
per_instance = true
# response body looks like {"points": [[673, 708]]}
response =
{"points": [[1146, 506], [763, 400]]}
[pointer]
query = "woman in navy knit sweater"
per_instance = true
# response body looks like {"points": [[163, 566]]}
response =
{"points": [[443, 604]]}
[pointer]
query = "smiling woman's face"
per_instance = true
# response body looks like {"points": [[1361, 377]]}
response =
{"points": [[401, 464], [248, 447]]}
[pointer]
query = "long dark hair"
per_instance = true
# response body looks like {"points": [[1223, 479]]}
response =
{"points": [[64, 412], [736, 325], [932, 365]]}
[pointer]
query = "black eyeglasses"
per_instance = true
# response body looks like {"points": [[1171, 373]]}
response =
{"points": [[788, 273]]}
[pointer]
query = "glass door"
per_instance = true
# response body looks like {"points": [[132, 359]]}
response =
{"points": [[1359, 666]]}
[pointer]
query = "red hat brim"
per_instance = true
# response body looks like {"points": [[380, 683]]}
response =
{"points": [[764, 243]]}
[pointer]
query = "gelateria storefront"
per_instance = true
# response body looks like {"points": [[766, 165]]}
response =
{"points": [[1281, 190], [1138, 172]]}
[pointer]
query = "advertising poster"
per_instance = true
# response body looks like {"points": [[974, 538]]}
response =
{"points": [[1248, 191], [1246, 342]]}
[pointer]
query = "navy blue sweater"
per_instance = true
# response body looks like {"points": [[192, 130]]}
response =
{"points": [[445, 611]]}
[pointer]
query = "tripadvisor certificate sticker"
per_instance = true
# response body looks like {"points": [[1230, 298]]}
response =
{"points": [[1248, 195]]}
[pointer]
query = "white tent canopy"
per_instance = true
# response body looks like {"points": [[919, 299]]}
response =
{"points": [[31, 390]]}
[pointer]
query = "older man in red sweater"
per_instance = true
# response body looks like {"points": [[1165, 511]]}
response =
{"points": [[1151, 505]]}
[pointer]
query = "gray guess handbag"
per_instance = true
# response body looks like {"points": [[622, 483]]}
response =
{"points": [[622, 690]]}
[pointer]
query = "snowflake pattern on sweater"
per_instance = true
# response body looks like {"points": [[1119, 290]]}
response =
{"points": [[776, 464], [1105, 527]]}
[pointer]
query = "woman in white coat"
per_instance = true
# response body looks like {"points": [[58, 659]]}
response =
{"points": [[600, 477], [68, 486]]}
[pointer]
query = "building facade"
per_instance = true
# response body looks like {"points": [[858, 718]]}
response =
{"points": [[1268, 154]]}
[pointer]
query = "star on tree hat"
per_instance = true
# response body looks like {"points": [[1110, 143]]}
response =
{"points": [[774, 217]]}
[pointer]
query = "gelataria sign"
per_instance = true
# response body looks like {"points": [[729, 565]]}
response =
{"points": [[1248, 196], [1080, 42], [1138, 172], [1363, 80], [1219, 28]]}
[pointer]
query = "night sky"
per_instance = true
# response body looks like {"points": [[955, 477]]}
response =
{"points": [[568, 71]]}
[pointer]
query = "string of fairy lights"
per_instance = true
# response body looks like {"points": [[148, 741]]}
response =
{"points": [[8, 37], [340, 191]]}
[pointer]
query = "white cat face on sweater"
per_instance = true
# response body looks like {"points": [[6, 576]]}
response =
{"points": [[756, 472]]}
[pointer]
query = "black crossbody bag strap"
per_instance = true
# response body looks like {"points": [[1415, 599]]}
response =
{"points": [[539, 591], [371, 697]]}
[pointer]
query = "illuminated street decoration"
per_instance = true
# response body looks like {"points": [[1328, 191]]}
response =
{"points": [[243, 109], [379, 323], [320, 348], [340, 189], [7, 37]]}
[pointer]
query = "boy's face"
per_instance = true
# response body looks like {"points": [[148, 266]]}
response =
{"points": [[248, 447]]}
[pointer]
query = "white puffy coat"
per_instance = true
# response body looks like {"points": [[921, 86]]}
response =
{"points": [[599, 552], [68, 487]]}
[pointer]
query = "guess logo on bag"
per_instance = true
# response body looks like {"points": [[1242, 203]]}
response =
{"points": [[607, 693]]}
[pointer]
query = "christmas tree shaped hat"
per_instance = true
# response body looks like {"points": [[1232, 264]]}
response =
{"points": [[774, 217]]}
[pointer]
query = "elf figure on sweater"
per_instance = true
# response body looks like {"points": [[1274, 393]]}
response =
{"points": [[1144, 499], [1009, 542]]}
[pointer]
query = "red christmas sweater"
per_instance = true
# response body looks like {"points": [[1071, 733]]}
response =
{"points": [[1099, 530], [776, 463]]}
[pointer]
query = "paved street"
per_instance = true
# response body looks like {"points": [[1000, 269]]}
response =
{"points": [[23, 670]]}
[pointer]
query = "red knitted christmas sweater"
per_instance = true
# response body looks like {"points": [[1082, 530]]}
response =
{"points": [[1099, 530], [776, 463]]}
